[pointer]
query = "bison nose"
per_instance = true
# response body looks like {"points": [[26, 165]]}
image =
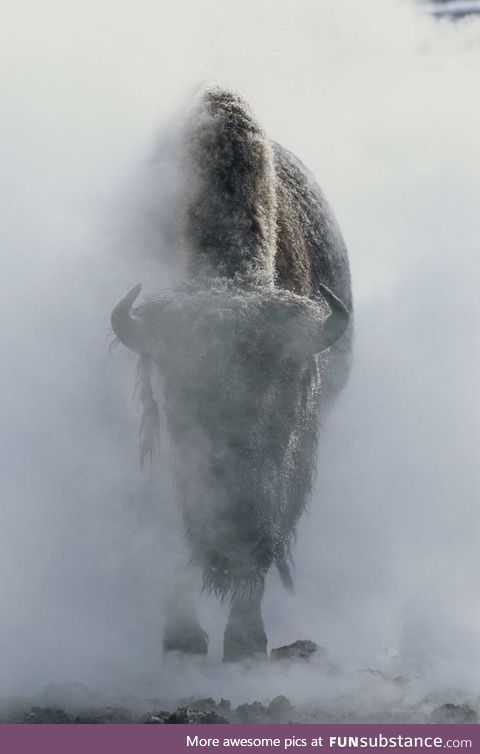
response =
{"points": [[240, 557], [219, 563], [261, 550]]}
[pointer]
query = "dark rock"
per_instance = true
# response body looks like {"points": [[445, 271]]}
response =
{"points": [[205, 704], [194, 716], [302, 649], [38, 715], [160, 718], [281, 710], [252, 713], [87, 720], [224, 705], [106, 715], [454, 713], [202, 704]]}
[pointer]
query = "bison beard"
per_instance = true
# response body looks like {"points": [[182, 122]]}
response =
{"points": [[251, 347]]}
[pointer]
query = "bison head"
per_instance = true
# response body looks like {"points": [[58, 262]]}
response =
{"points": [[239, 374]]}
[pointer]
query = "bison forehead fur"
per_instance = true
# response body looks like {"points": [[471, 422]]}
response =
{"points": [[251, 347]]}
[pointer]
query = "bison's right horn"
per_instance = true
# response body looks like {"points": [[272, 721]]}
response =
{"points": [[336, 323], [128, 329], [310, 336]]}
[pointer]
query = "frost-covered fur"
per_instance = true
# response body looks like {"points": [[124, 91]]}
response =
{"points": [[241, 393], [230, 197], [242, 402]]}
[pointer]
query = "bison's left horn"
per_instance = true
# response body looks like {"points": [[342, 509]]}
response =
{"points": [[128, 329], [335, 325]]}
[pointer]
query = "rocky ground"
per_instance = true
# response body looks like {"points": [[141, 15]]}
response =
{"points": [[377, 698], [278, 710]]}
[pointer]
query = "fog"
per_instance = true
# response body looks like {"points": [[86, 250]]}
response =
{"points": [[381, 102]]}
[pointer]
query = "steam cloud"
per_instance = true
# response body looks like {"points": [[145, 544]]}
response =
{"points": [[382, 104]]}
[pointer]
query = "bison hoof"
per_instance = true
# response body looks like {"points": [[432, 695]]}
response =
{"points": [[189, 638], [239, 644]]}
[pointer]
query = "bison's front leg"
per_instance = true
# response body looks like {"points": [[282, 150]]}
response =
{"points": [[183, 632], [245, 634]]}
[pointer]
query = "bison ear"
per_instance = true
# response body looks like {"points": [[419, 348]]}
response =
{"points": [[128, 329]]}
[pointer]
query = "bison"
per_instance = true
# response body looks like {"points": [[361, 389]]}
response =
{"points": [[252, 348]]}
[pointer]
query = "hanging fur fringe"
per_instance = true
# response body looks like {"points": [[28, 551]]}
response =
{"points": [[149, 431]]}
